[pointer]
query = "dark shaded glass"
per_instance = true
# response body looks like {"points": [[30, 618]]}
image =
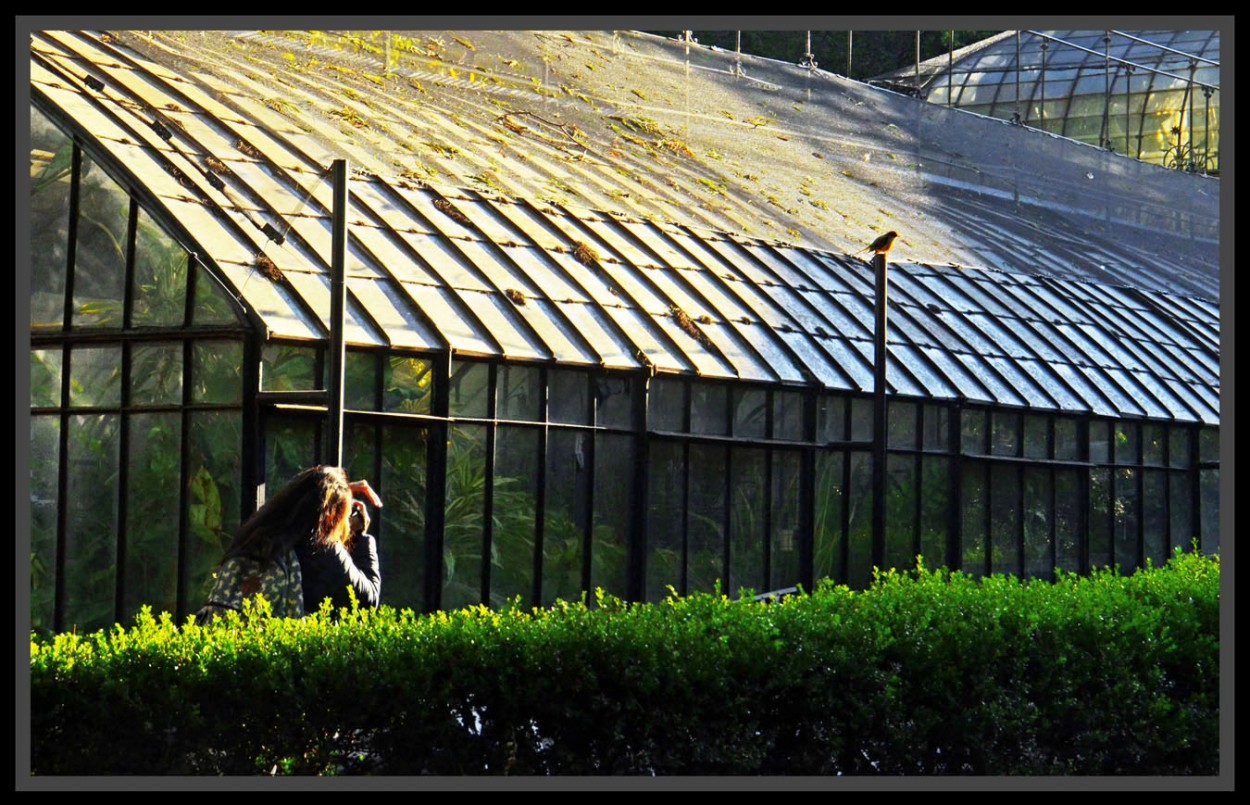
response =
{"points": [[514, 515], [1209, 502], [400, 524], [705, 559], [750, 412], [291, 446], [783, 566], [566, 513], [827, 522], [518, 393], [1005, 520], [830, 418], [1154, 452], [214, 488], [1209, 445], [100, 250], [469, 390], [1179, 446], [861, 419], [1038, 517], [212, 303], [748, 518], [613, 512], [1099, 441], [1036, 436], [1067, 520], [464, 516], [217, 372], [45, 448], [1127, 443], [91, 527], [151, 532], [666, 404], [45, 377], [900, 512], [51, 155], [360, 380], [1099, 517], [665, 519], [1066, 446], [787, 415], [156, 373], [859, 521], [1182, 533], [937, 421], [614, 401], [974, 431], [709, 408], [901, 425], [159, 293], [974, 518], [934, 509], [1005, 434], [1127, 509], [286, 367], [568, 397], [1155, 516]]}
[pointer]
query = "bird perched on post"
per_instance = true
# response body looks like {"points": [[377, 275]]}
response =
{"points": [[881, 245]]}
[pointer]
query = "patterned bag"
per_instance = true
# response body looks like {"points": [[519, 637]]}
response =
{"points": [[241, 577]]}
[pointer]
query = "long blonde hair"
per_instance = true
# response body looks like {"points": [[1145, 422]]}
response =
{"points": [[314, 504]]}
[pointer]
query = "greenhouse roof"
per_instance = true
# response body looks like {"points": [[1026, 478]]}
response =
{"points": [[601, 199]]}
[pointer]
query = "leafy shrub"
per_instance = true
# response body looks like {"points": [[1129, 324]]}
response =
{"points": [[928, 672]]}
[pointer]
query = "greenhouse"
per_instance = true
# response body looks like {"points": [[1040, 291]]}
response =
{"points": [[1152, 95], [564, 337]]}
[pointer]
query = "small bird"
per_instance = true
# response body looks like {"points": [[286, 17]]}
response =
{"points": [[881, 245]]}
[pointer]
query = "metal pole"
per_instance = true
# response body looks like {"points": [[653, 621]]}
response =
{"points": [[1128, 124], [333, 445], [1193, 65], [878, 414], [917, 87], [1105, 137], [1041, 115], [849, 41], [1019, 119], [950, 74]]}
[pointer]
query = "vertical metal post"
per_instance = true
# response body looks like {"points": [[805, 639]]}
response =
{"points": [[1019, 119], [1128, 123], [1105, 136], [917, 86], [1041, 113], [849, 42], [332, 447], [878, 414], [950, 74], [1193, 65]]}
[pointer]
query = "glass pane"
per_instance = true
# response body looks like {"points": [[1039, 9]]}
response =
{"points": [[1038, 517], [407, 384], [1155, 516], [934, 509], [1099, 441], [1099, 518], [91, 528], [709, 408], [750, 412], [400, 525], [1066, 439], [160, 283], [45, 377], [51, 155], [859, 521], [360, 380], [747, 521], [1209, 444], [519, 393], [151, 534], [787, 415], [784, 539], [1067, 520], [213, 494], [156, 373], [614, 512], [1036, 436], [1127, 511], [901, 425], [470, 390], [665, 515], [568, 398], [566, 513], [1005, 520], [1209, 493], [1006, 434], [830, 419], [614, 402], [514, 515], [45, 435], [464, 513], [827, 523], [100, 251], [291, 445], [861, 419], [666, 404], [1182, 533], [974, 432], [900, 512], [1178, 446], [95, 376], [1126, 443], [285, 367], [973, 518], [217, 372], [706, 518], [212, 303], [1153, 435], [937, 420]]}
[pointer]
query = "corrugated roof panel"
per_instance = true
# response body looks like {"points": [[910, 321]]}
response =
{"points": [[1095, 400], [391, 256], [273, 303], [315, 290], [395, 314], [591, 321], [933, 385], [442, 308]]}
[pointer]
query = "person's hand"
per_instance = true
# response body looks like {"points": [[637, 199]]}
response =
{"points": [[359, 518]]}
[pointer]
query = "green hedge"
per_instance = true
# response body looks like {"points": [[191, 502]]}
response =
{"points": [[924, 673]]}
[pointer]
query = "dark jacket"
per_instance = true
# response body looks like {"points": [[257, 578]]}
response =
{"points": [[329, 571]]}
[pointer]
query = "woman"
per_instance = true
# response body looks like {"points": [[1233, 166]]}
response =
{"points": [[307, 543]]}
